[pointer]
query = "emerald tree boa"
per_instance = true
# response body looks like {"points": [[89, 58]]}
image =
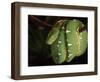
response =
{"points": [[66, 41]]}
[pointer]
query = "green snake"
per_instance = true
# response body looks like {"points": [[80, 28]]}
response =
{"points": [[66, 41]]}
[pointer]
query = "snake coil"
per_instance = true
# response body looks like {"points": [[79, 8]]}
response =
{"points": [[66, 41]]}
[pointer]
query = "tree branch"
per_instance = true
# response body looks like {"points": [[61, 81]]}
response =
{"points": [[37, 21]]}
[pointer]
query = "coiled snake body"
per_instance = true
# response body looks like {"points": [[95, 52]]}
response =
{"points": [[66, 41]]}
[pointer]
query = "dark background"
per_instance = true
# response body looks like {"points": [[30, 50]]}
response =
{"points": [[39, 53]]}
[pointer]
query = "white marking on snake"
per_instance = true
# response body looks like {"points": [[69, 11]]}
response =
{"points": [[59, 54], [69, 44], [67, 31], [80, 37], [59, 41], [70, 55], [63, 28]]}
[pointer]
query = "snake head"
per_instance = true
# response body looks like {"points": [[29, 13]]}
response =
{"points": [[54, 32]]}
